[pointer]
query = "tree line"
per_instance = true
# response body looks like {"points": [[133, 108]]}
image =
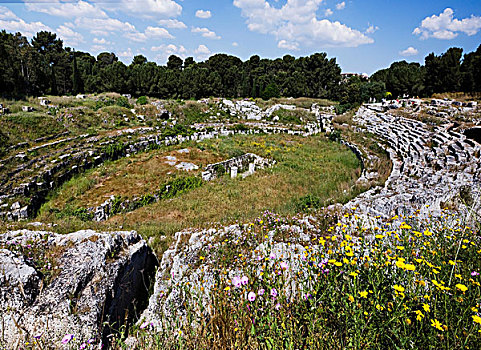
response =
{"points": [[44, 66], [449, 72]]}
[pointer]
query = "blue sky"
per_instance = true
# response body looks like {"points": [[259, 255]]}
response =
{"points": [[364, 36]]}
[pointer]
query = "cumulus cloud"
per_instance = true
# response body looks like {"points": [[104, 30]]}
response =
{"points": [[203, 14], [206, 33], [410, 51], [103, 26], [101, 41], [297, 24], [371, 29], [445, 26], [328, 12], [69, 36], [147, 8], [150, 33], [172, 23], [126, 54], [5, 13], [67, 9], [29, 29], [283, 44], [341, 6], [202, 52], [235, 44]]}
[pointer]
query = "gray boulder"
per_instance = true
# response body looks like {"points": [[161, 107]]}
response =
{"points": [[52, 285]]}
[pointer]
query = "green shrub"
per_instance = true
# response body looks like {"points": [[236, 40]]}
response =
{"points": [[83, 214], [123, 102], [178, 186], [308, 202], [142, 100]]}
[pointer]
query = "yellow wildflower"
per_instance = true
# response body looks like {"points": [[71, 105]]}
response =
{"points": [[436, 324], [461, 287], [398, 288], [476, 319], [363, 294]]}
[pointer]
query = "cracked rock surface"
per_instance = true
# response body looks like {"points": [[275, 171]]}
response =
{"points": [[96, 278]]}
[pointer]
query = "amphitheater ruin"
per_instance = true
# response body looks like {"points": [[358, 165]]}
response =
{"points": [[432, 167]]}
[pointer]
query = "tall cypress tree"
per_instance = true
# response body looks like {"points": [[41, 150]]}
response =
{"points": [[77, 85]]}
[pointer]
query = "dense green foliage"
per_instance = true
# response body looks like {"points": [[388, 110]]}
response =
{"points": [[449, 72], [44, 66]]}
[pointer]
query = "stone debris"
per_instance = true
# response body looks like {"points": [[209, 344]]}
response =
{"points": [[186, 166]]}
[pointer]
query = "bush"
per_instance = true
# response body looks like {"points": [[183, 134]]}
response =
{"points": [[123, 102], [271, 91], [178, 186], [142, 100], [83, 214], [308, 202]]}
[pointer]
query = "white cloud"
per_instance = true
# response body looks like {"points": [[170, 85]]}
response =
{"points": [[202, 52], [446, 27], [101, 41], [410, 51], [69, 36], [283, 44], [126, 54], [341, 6], [150, 33], [371, 29], [98, 48], [235, 44], [296, 23], [167, 50], [157, 32], [170, 49], [203, 14], [27, 29], [5, 13], [206, 33], [67, 9], [328, 12], [147, 8], [103, 26], [172, 23]]}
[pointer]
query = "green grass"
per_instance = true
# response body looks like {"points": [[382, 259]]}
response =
{"points": [[414, 286], [312, 166]]}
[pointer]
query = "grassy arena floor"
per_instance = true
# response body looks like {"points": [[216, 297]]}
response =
{"points": [[311, 166]]}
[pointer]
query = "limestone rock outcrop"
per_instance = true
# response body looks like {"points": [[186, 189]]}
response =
{"points": [[52, 285]]}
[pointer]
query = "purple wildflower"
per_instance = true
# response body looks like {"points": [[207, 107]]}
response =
{"points": [[284, 265], [261, 291], [251, 296], [67, 338], [273, 292], [236, 281], [244, 280], [474, 273]]}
